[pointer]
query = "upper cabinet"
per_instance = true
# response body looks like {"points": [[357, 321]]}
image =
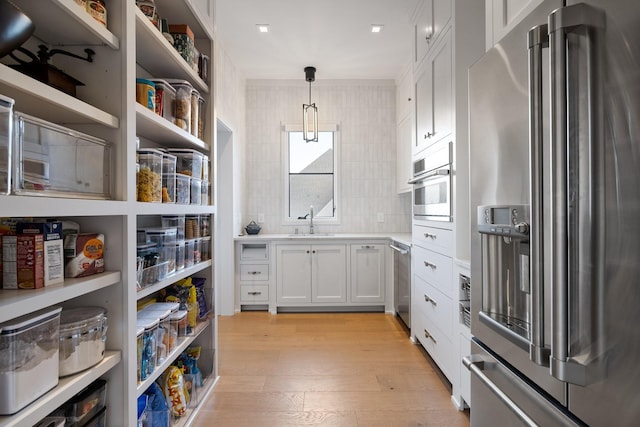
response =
{"points": [[502, 15], [405, 101], [433, 16]]}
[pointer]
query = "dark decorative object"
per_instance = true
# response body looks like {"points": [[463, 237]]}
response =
{"points": [[15, 27], [253, 228]]}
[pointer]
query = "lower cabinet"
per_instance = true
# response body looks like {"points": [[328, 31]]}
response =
{"points": [[367, 273], [311, 274]]}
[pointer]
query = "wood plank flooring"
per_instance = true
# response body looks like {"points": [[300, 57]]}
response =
{"points": [[324, 369]]}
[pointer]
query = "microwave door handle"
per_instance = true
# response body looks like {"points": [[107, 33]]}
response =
{"points": [[577, 353], [538, 40], [430, 174]]}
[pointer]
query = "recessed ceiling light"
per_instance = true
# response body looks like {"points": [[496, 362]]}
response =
{"points": [[263, 28], [376, 28]]}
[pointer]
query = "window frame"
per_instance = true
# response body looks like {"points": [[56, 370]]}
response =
{"points": [[322, 127]]}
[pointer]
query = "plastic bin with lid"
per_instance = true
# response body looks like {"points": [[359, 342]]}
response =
{"points": [[83, 335], [195, 113], [85, 405], [182, 109], [205, 248], [165, 238], [204, 193], [164, 346], [189, 252], [189, 162], [179, 254], [29, 347], [149, 176], [165, 99], [196, 191], [183, 189], [180, 322], [205, 225], [168, 188], [192, 226], [149, 355], [176, 221]]}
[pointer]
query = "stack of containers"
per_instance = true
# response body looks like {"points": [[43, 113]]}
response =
{"points": [[163, 343], [189, 162], [165, 239], [177, 222], [205, 237], [148, 176], [163, 312], [168, 178]]}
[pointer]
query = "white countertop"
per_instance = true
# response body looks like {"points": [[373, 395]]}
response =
{"points": [[404, 238]]}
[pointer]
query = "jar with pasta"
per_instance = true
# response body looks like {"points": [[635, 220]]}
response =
{"points": [[149, 176]]}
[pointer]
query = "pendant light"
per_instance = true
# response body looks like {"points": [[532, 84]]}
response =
{"points": [[310, 111]]}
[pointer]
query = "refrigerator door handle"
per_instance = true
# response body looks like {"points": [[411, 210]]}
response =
{"points": [[538, 40], [475, 365], [577, 204]]}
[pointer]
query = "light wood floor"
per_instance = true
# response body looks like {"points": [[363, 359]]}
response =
{"points": [[342, 369]]}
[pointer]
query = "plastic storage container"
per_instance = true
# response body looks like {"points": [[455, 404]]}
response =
{"points": [[29, 350], [195, 113], [165, 239], [182, 104], [202, 113], [46, 161], [196, 191], [205, 225], [174, 221], [85, 405], [189, 252], [163, 345], [149, 176], [150, 268], [189, 162], [165, 99], [183, 189], [192, 226], [171, 306], [83, 334], [139, 348], [168, 188], [149, 356], [205, 248], [204, 193], [146, 93], [6, 136], [205, 168], [52, 422], [196, 251], [179, 254], [99, 420], [180, 322]]}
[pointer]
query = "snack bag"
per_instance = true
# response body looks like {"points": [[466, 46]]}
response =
{"points": [[175, 391]]}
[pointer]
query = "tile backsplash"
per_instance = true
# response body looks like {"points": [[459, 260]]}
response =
{"points": [[365, 111]]}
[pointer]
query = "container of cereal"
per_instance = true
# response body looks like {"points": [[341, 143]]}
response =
{"points": [[148, 177], [29, 347], [196, 191], [83, 334], [183, 189], [182, 108], [192, 226], [189, 162], [146, 93], [165, 99]]}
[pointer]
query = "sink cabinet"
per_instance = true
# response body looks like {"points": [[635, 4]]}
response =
{"points": [[311, 274]]}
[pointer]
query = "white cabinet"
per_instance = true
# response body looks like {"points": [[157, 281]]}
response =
{"points": [[311, 274], [253, 276], [434, 96], [405, 136], [367, 273], [404, 95], [433, 16], [502, 15]]}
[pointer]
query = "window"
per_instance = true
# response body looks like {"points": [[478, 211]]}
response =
{"points": [[311, 176]]}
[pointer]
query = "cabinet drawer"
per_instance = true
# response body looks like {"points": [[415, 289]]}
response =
{"points": [[257, 293], [436, 239], [437, 307], [435, 342], [434, 268], [254, 272]]}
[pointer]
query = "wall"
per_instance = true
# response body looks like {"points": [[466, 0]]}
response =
{"points": [[365, 111]]}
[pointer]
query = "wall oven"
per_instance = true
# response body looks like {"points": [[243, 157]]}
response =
{"points": [[432, 184]]}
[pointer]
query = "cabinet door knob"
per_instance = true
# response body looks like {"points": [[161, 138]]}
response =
{"points": [[307, 251], [430, 134], [428, 264], [409, 99], [428, 335]]}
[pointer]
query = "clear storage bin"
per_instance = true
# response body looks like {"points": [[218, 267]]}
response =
{"points": [[169, 162], [174, 221], [196, 251], [202, 114], [180, 322], [183, 189], [6, 137], [196, 191], [189, 252], [195, 113], [189, 162], [168, 188], [84, 406], [192, 226], [149, 356], [205, 248], [83, 334], [165, 239], [205, 225], [179, 254], [204, 193], [149, 176], [205, 168], [182, 109], [165, 99], [164, 346], [29, 347]]}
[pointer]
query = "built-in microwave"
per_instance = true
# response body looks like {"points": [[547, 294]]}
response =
{"points": [[432, 184]]}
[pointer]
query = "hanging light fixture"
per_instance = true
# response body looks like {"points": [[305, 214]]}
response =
{"points": [[310, 111]]}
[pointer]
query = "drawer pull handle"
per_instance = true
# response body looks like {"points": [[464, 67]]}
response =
{"points": [[255, 272], [428, 335], [255, 293], [430, 236], [428, 264], [427, 298], [367, 247]]}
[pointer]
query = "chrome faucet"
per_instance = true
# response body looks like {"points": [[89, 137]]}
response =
{"points": [[311, 219]]}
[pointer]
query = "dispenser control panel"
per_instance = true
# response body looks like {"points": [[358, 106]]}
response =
{"points": [[505, 220]]}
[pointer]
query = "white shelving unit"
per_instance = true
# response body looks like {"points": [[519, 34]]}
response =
{"points": [[105, 107]]}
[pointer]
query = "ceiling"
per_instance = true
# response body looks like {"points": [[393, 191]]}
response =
{"points": [[332, 35]]}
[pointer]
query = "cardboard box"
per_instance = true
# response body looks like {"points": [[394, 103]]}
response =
{"points": [[9, 259], [53, 248], [183, 42], [30, 261], [84, 254]]}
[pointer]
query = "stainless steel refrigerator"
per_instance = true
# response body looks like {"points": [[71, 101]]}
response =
{"points": [[555, 207]]}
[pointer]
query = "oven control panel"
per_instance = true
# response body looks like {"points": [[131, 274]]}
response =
{"points": [[505, 220]]}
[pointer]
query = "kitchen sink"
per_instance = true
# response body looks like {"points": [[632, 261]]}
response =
{"points": [[312, 235]]}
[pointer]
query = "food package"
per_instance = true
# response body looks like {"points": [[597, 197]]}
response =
{"points": [[175, 391], [53, 248], [201, 297], [30, 261], [184, 293], [83, 254]]}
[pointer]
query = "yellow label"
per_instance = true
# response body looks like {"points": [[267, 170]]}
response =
{"points": [[93, 249]]}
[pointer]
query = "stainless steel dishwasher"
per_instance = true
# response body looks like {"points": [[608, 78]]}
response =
{"points": [[402, 281]]}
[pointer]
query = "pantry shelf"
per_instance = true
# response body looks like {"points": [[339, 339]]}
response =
{"points": [[67, 387], [172, 209], [18, 302], [26, 206], [151, 126], [173, 278]]}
